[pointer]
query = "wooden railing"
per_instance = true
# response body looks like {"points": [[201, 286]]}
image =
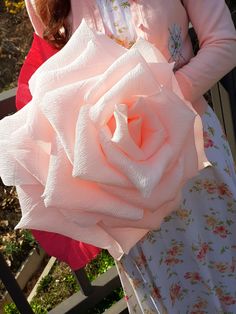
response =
{"points": [[223, 96], [7, 102], [87, 298]]}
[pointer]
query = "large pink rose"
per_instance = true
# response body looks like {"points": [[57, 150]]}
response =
{"points": [[102, 151]]}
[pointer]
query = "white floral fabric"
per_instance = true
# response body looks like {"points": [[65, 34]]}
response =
{"points": [[189, 264], [116, 17]]}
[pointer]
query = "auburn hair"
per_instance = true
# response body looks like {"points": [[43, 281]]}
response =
{"points": [[53, 14]]}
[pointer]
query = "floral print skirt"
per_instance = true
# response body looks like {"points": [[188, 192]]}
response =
{"points": [[189, 264]]}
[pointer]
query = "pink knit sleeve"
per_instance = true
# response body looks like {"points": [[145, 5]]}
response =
{"points": [[217, 39], [34, 18]]}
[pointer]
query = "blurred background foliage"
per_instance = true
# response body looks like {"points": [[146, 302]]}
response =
{"points": [[13, 6]]}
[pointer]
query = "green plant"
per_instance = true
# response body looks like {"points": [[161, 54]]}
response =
{"points": [[61, 283], [28, 238], [56, 287], [45, 283], [11, 248], [37, 308], [16, 246], [107, 302], [71, 282], [99, 265], [11, 309]]}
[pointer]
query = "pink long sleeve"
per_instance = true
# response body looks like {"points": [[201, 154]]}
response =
{"points": [[217, 39], [34, 18]]}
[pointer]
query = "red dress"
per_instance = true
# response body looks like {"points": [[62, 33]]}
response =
{"points": [[75, 253]]}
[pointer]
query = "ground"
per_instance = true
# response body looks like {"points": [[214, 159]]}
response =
{"points": [[15, 39]]}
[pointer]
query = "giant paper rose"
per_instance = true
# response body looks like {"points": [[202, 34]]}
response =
{"points": [[102, 151]]}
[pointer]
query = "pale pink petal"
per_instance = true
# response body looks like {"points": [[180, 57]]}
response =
{"points": [[81, 194], [138, 81], [153, 132], [122, 137], [36, 216], [149, 52], [73, 49], [160, 194], [89, 160], [114, 74]]}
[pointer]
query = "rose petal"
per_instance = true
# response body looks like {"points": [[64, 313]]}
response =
{"points": [[151, 220], [89, 160], [114, 74], [149, 52], [160, 198], [135, 129], [122, 136], [64, 125], [12, 170], [80, 194], [36, 216], [153, 132], [138, 81], [178, 123], [144, 175], [74, 50], [151, 139]]}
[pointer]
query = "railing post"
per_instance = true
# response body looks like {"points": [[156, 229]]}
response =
{"points": [[223, 108], [83, 281], [7, 102], [229, 83], [13, 288]]}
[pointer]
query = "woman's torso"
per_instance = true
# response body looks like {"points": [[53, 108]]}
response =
{"points": [[162, 22]]}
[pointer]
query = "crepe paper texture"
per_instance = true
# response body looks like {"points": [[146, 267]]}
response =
{"points": [[105, 146]]}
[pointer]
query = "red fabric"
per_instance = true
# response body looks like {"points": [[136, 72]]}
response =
{"points": [[75, 253], [39, 52]]}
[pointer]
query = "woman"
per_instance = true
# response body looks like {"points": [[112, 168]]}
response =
{"points": [[188, 265]]}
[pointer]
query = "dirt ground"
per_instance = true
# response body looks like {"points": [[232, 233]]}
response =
{"points": [[15, 39]]}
